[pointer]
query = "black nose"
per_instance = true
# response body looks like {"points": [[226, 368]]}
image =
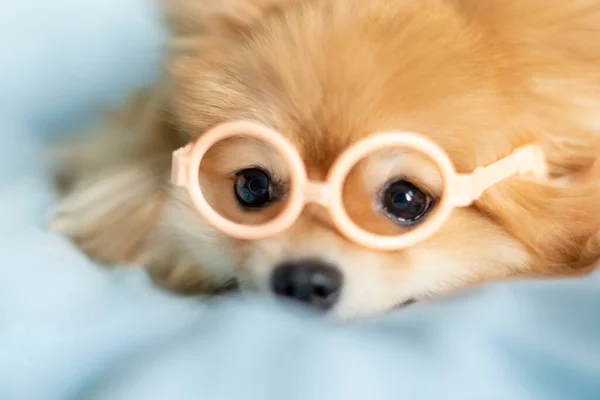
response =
{"points": [[309, 281]]}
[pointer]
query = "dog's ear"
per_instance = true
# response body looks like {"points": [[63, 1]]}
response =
{"points": [[559, 222], [221, 17]]}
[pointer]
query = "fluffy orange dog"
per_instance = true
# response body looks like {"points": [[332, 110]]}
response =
{"points": [[478, 77]]}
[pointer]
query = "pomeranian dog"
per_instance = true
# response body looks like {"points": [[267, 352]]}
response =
{"points": [[479, 78]]}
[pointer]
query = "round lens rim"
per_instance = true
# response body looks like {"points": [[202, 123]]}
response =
{"points": [[357, 152], [298, 178]]}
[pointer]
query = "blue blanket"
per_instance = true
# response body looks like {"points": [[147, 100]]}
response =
{"points": [[72, 330]]}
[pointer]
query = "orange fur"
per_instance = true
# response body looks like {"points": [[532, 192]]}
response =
{"points": [[479, 77]]}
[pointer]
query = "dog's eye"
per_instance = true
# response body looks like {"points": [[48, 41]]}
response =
{"points": [[404, 202], [252, 188]]}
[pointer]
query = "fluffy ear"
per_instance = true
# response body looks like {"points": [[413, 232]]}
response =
{"points": [[196, 17], [558, 222], [118, 171]]}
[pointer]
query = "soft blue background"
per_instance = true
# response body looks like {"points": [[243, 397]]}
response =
{"points": [[71, 330]]}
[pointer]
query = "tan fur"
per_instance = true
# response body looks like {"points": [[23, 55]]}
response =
{"points": [[479, 77]]}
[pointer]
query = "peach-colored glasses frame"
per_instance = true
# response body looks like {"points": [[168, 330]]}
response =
{"points": [[459, 190]]}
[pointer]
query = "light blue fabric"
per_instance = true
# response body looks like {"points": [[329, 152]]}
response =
{"points": [[71, 330]]}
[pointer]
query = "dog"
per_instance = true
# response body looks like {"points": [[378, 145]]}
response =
{"points": [[480, 78]]}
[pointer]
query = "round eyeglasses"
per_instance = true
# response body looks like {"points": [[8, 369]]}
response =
{"points": [[391, 154]]}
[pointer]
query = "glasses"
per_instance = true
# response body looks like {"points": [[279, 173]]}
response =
{"points": [[456, 190]]}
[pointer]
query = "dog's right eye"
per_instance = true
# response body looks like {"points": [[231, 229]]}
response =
{"points": [[252, 188]]}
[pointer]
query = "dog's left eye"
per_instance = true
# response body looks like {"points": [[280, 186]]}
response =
{"points": [[252, 188], [405, 202]]}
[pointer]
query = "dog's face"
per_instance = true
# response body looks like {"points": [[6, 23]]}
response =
{"points": [[326, 74]]}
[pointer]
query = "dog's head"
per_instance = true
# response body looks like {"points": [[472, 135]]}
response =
{"points": [[328, 73]]}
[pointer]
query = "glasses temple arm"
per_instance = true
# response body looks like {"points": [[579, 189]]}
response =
{"points": [[524, 160], [180, 166]]}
